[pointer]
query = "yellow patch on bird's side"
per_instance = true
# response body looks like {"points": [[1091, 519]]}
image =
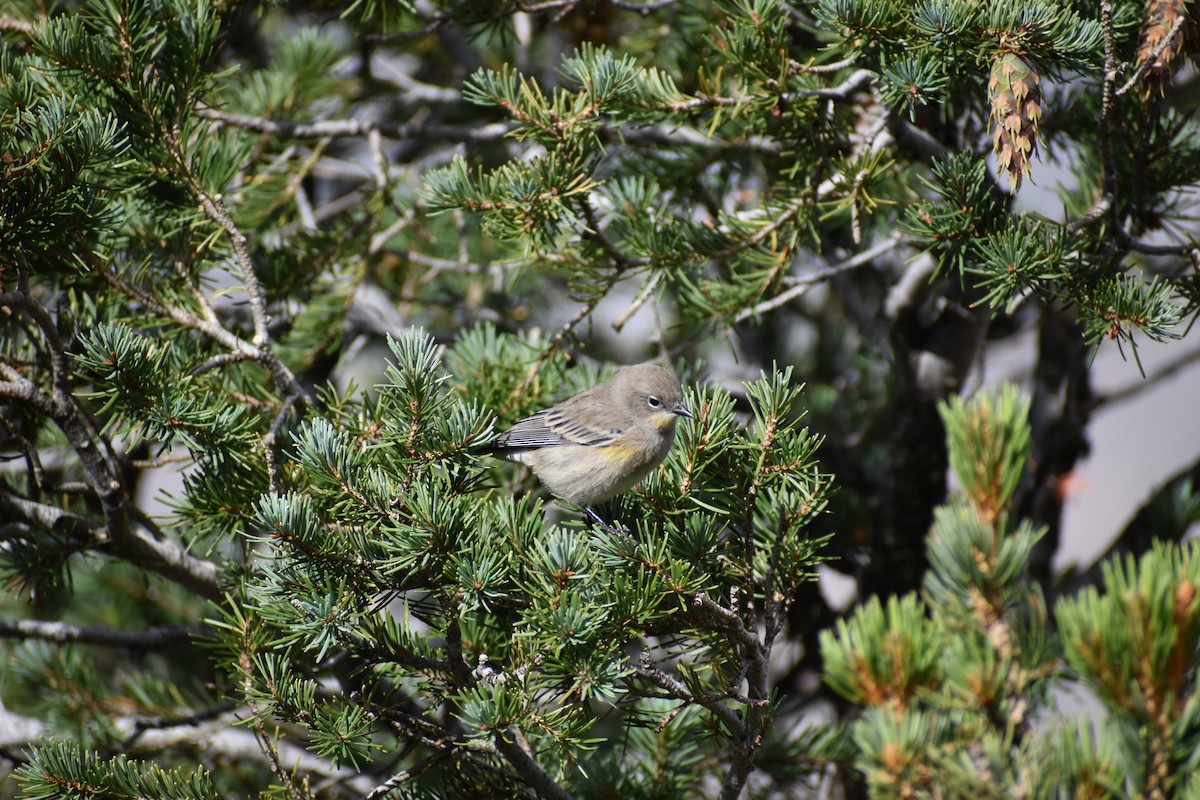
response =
{"points": [[621, 452]]}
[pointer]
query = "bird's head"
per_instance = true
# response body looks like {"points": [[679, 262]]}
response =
{"points": [[652, 393]]}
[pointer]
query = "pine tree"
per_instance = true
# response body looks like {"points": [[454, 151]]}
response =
{"points": [[303, 262]]}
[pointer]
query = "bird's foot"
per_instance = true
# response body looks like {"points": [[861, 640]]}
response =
{"points": [[609, 529]]}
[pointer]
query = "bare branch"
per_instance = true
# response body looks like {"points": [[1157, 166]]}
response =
{"points": [[433, 132], [857, 80], [528, 769], [404, 776], [79, 529], [1180, 362], [727, 714], [8, 23], [645, 294], [61, 633], [641, 8], [728, 622], [23, 303]]}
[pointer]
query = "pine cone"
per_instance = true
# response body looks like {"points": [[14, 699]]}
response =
{"points": [[1162, 17], [1015, 95]]}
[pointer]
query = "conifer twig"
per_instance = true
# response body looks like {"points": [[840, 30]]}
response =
{"points": [[162, 556], [642, 8], [727, 714], [432, 25], [853, 83], [1179, 363], [594, 231], [145, 725], [413, 89], [818, 69], [645, 294], [527, 768], [81, 529], [1154, 55], [379, 163], [8, 23], [405, 775], [217, 361], [857, 80], [269, 442], [729, 622], [788, 214], [1108, 101], [430, 131], [546, 5], [211, 328], [801, 284]]}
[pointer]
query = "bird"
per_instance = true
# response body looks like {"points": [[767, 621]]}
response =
{"points": [[603, 441]]}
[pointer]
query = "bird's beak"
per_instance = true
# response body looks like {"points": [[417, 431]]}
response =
{"points": [[682, 411]]}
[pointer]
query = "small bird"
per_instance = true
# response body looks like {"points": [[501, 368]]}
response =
{"points": [[602, 441]]}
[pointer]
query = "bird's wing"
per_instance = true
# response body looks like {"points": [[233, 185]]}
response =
{"points": [[553, 427]]}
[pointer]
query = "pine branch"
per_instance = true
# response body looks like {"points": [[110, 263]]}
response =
{"points": [[211, 328], [729, 623], [153, 638], [163, 557], [645, 293], [668, 136], [787, 215], [754, 656], [858, 79], [223, 360], [432, 25], [441, 740], [1107, 104], [594, 232], [239, 348]]}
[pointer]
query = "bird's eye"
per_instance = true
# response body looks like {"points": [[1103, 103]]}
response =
{"points": [[654, 402]]}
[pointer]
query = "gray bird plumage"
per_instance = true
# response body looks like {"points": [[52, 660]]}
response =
{"points": [[602, 441]]}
